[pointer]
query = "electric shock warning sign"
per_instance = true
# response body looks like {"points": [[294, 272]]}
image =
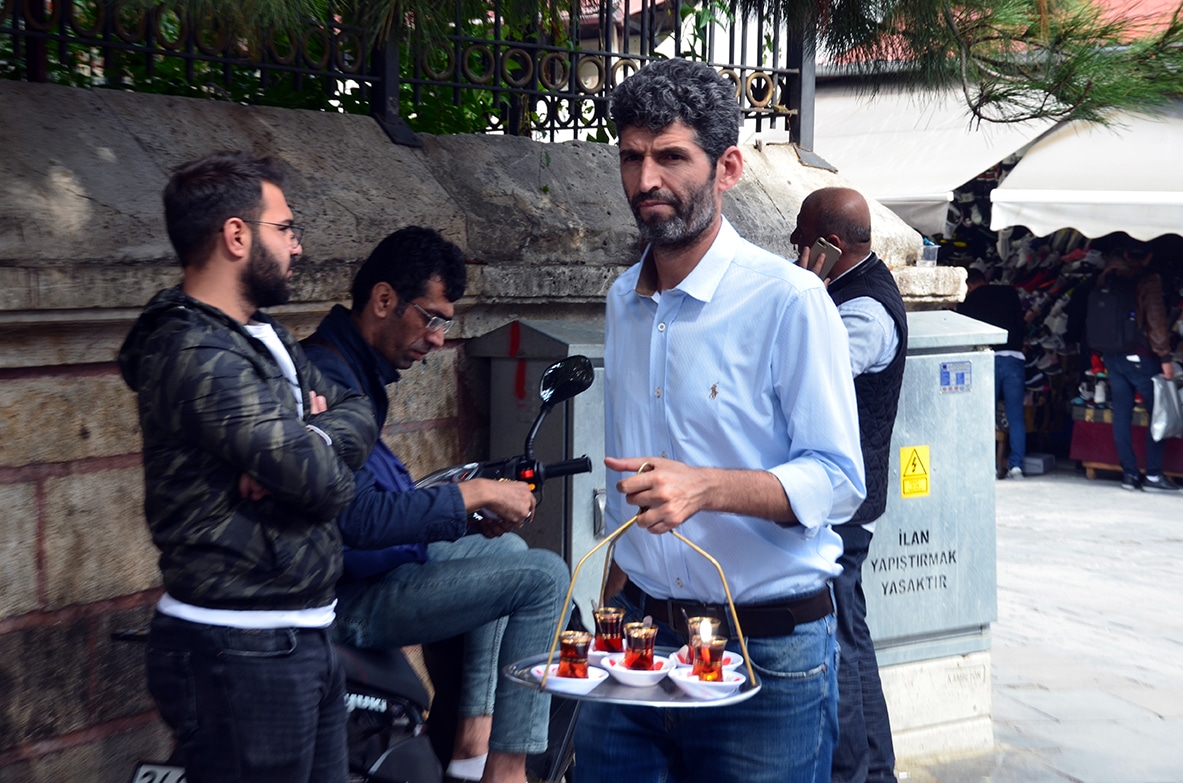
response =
{"points": [[914, 472]]}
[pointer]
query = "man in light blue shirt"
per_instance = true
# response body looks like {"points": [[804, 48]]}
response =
{"points": [[728, 377]]}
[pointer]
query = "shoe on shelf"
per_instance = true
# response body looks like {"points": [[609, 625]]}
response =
{"points": [[1015, 473], [1159, 483], [1131, 482]]}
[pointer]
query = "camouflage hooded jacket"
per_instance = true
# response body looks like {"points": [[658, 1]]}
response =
{"points": [[213, 405]]}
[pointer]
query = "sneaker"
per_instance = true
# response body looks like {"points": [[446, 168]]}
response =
{"points": [[1015, 473], [1131, 482], [1159, 483]]}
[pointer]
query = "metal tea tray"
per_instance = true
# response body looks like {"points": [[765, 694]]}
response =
{"points": [[663, 694]]}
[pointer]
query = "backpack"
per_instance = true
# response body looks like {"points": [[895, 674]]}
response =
{"points": [[1111, 320]]}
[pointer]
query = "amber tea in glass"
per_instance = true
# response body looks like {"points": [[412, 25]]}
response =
{"points": [[573, 647], [638, 646], [706, 648], [708, 658], [609, 624]]}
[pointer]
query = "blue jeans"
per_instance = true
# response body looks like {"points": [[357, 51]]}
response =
{"points": [[504, 597], [1124, 378], [1010, 383], [864, 751], [785, 733], [252, 706]]}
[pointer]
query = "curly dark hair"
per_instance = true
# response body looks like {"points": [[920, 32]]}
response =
{"points": [[693, 92], [407, 260], [203, 194]]}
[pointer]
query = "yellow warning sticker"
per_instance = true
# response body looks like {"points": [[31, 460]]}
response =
{"points": [[914, 472]]}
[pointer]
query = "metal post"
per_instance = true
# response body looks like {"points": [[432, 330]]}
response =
{"points": [[384, 94], [799, 55]]}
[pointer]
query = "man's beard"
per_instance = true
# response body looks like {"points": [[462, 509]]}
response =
{"points": [[264, 283], [690, 218]]}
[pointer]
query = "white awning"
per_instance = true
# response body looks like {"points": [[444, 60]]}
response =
{"points": [[909, 150], [1096, 179]]}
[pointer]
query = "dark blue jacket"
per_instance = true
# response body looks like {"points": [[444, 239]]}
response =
{"points": [[387, 524]]}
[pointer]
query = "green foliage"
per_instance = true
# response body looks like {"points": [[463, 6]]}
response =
{"points": [[1013, 59], [439, 110]]}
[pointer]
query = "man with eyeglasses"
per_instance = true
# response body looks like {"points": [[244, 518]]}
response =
{"points": [[418, 571], [249, 453]]}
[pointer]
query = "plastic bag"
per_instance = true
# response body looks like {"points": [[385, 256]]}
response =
{"points": [[1167, 419]]}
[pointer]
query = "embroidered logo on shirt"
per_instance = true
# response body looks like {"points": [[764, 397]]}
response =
{"points": [[714, 390]]}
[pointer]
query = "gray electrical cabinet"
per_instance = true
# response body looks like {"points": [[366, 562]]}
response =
{"points": [[930, 577], [567, 518]]}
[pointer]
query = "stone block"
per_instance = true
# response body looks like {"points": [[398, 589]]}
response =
{"points": [[15, 291], [118, 686], [109, 759], [43, 679], [78, 285], [18, 550], [943, 692], [533, 202], [346, 182], [967, 737], [61, 418], [932, 283], [96, 541], [82, 337], [423, 451], [85, 190], [426, 392]]}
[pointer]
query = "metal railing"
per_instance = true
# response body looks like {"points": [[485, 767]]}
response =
{"points": [[546, 78]]}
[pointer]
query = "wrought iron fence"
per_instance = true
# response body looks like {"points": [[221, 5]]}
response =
{"points": [[549, 78]]}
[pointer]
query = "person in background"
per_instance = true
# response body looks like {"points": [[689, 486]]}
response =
{"points": [[1132, 371], [872, 310], [998, 305], [249, 455], [730, 417], [419, 571]]}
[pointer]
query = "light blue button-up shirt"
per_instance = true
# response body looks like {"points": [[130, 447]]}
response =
{"points": [[745, 364]]}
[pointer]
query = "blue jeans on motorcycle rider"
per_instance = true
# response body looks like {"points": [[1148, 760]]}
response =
{"points": [[415, 571]]}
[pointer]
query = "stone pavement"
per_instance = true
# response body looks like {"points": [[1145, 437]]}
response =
{"points": [[1088, 646]]}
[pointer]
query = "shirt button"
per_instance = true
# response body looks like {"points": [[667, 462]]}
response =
{"points": [[657, 392], [678, 582], [663, 455], [661, 327]]}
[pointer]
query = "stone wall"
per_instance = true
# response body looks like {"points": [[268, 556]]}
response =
{"points": [[82, 247]]}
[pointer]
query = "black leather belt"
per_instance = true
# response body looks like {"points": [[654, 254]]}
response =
{"points": [[776, 618]]}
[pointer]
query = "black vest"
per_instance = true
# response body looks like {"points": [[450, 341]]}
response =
{"points": [[878, 393]]}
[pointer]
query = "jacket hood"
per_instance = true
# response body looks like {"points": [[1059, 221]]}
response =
{"points": [[169, 306]]}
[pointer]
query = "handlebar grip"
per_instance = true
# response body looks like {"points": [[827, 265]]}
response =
{"points": [[567, 467]]}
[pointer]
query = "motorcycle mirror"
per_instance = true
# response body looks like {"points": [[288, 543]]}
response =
{"points": [[565, 379], [560, 382]]}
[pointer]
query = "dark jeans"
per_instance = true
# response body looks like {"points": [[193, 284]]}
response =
{"points": [[1124, 378], [1010, 384], [864, 751], [783, 734], [260, 706]]}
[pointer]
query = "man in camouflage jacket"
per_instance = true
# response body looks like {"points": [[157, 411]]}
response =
{"points": [[249, 455]]}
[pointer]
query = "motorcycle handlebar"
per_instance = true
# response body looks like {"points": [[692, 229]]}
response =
{"points": [[567, 467]]}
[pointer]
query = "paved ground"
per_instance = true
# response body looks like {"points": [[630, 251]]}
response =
{"points": [[1088, 647]]}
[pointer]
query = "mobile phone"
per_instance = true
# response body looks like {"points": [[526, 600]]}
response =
{"points": [[828, 252]]}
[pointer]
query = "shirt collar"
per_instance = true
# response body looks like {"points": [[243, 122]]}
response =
{"points": [[856, 266], [706, 275]]}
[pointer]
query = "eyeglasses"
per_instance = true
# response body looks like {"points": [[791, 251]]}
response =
{"points": [[296, 232], [434, 322]]}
